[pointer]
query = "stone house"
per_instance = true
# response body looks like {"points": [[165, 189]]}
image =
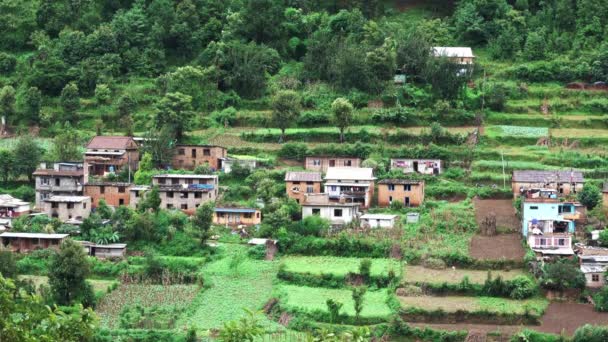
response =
{"points": [[564, 182], [110, 154], [188, 157], [237, 216], [350, 184], [409, 192], [298, 184], [422, 166], [67, 208], [62, 179], [321, 164], [26, 242], [338, 214], [115, 194], [594, 268]]}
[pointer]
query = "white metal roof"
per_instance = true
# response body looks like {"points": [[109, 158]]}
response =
{"points": [[67, 199], [350, 173], [449, 51], [34, 235], [379, 217], [347, 184], [186, 176], [593, 268], [10, 201]]}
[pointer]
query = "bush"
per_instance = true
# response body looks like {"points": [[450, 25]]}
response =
{"points": [[590, 333], [601, 300], [257, 252], [225, 117], [7, 63], [294, 151], [312, 226], [522, 287], [434, 263]]}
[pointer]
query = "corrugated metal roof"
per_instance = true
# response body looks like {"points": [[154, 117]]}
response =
{"points": [[189, 176], [536, 176], [302, 176], [350, 173], [71, 199], [10, 201], [235, 210], [593, 268], [110, 142], [378, 217], [449, 51], [65, 173], [400, 181], [34, 235]]}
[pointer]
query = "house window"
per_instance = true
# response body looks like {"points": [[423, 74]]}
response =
{"points": [[595, 277], [348, 162], [206, 152], [543, 242], [193, 153], [295, 183], [170, 194], [136, 193], [102, 189], [334, 188], [310, 189], [316, 162], [57, 181], [338, 212], [184, 206], [316, 211], [188, 180], [121, 201], [70, 205], [390, 199], [121, 189], [175, 181], [248, 215], [533, 207], [561, 242], [184, 195], [54, 205], [84, 205], [198, 195], [257, 215], [332, 163], [181, 152], [169, 206], [161, 181], [44, 180], [391, 187], [407, 187]]}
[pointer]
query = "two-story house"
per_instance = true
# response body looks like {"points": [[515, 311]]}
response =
{"points": [[67, 208], [114, 194], [62, 179], [298, 184], [338, 214], [409, 192], [110, 154], [564, 182], [188, 157], [180, 191], [422, 166], [321, 164], [350, 184]]}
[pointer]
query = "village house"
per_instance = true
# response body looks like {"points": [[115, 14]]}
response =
{"points": [[66, 208], [565, 182], [379, 220], [549, 224], [113, 193], [237, 216], [350, 184], [188, 157], [605, 195], [409, 192], [458, 55], [422, 166], [27, 242], [321, 164], [63, 179], [11, 207], [338, 214], [298, 184], [136, 193], [250, 163], [101, 251], [106, 155], [594, 268], [181, 191]]}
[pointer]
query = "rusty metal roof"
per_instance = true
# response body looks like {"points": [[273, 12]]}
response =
{"points": [[110, 142]]}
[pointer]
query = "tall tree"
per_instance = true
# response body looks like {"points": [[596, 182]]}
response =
{"points": [[342, 111], [201, 222], [7, 102], [174, 111], [285, 110], [27, 154], [7, 163], [590, 196], [66, 144], [32, 102], [160, 144], [68, 272], [70, 101]]}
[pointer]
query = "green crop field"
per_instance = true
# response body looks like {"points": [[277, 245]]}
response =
{"points": [[337, 266], [419, 274], [535, 306]]}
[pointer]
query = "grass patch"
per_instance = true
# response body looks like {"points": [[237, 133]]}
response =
{"points": [[337, 266], [535, 306], [419, 274], [516, 131], [98, 284]]}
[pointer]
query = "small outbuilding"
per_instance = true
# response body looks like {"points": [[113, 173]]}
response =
{"points": [[379, 220], [26, 242], [114, 250]]}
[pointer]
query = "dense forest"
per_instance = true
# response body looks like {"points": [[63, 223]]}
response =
{"points": [[128, 65]]}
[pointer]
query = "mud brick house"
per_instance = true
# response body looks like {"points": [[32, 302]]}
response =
{"points": [[26, 242], [298, 184], [338, 214], [409, 192], [13, 207], [62, 179], [321, 164], [110, 154], [188, 157], [115, 194], [350, 184], [67, 208], [237, 216], [185, 191], [422, 166], [564, 182]]}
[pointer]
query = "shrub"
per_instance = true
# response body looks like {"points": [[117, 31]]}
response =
{"points": [[225, 117], [522, 287], [312, 226], [257, 252], [601, 300], [365, 268], [7, 63], [434, 263], [590, 333]]}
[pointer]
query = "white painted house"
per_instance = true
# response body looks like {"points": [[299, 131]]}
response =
{"points": [[379, 220], [350, 184], [338, 214]]}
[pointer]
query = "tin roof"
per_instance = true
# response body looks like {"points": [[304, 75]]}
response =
{"points": [[52, 172], [34, 235], [10, 201], [67, 199], [110, 142], [449, 51], [537, 176], [400, 181], [235, 210], [303, 176], [350, 173]]}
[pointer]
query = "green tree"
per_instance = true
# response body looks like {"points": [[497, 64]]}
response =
{"points": [[196, 82], [39, 322], [7, 164], [247, 328], [68, 272], [160, 145], [27, 154], [365, 269], [201, 222], [7, 102], [32, 102], [8, 265], [561, 275], [600, 299], [358, 294], [333, 307], [70, 101], [126, 105], [342, 111], [285, 110], [66, 144], [144, 173], [150, 201], [174, 111], [103, 210], [590, 196], [103, 94]]}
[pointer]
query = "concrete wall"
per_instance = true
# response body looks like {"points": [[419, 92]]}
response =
{"points": [[386, 196], [349, 213], [601, 280], [541, 211], [63, 211], [376, 223], [46, 186], [299, 195], [187, 201], [235, 219], [322, 163]]}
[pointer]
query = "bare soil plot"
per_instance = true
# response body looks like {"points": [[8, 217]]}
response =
{"points": [[502, 246], [502, 208], [461, 303], [419, 274], [569, 316]]}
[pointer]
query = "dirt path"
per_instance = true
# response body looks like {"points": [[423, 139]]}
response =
{"points": [[502, 246]]}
